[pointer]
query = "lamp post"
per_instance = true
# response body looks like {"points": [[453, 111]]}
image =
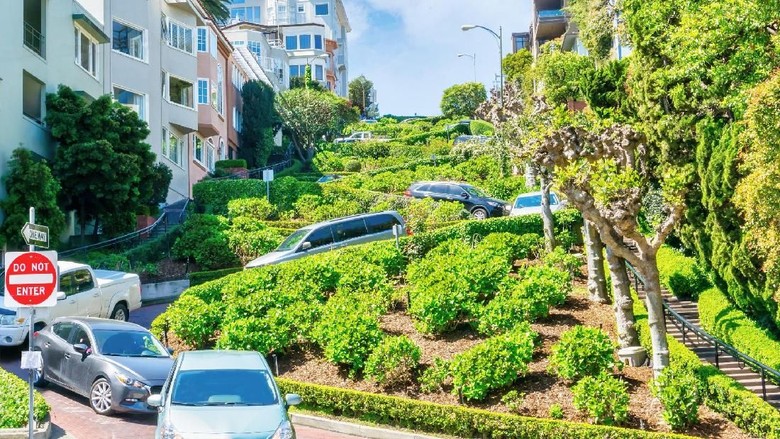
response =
{"points": [[499, 36], [473, 61]]}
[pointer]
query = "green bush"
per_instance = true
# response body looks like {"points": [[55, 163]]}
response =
{"points": [[393, 361], [285, 191], [556, 411], [513, 400], [563, 260], [213, 196], [581, 352], [447, 419], [422, 215], [513, 246], [193, 320], [433, 377], [680, 274], [481, 128], [493, 363], [352, 166], [603, 397], [276, 331], [293, 169], [155, 249], [108, 261], [678, 391], [249, 238], [235, 163], [258, 209], [548, 283], [201, 277], [15, 400], [204, 240]]}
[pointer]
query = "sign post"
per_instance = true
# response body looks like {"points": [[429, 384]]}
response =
{"points": [[35, 235], [268, 177]]}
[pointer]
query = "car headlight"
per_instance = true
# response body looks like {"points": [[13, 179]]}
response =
{"points": [[285, 431], [11, 320], [169, 432], [127, 381]]}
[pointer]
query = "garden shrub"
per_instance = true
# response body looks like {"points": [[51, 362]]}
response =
{"points": [[233, 163], [15, 400], [481, 128], [581, 352], [285, 191], [437, 308], [678, 391], [513, 400], [205, 241], [556, 411], [550, 284], [249, 238], [258, 209], [265, 335], [193, 320], [493, 363], [390, 182], [155, 249], [422, 215], [393, 361], [352, 166], [680, 274], [561, 259], [108, 261], [512, 246], [432, 378], [383, 254], [603, 397], [213, 196], [201, 277]]}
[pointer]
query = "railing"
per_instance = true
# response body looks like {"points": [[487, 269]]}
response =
{"points": [[720, 346], [34, 39], [183, 212], [118, 240], [551, 14], [258, 173]]}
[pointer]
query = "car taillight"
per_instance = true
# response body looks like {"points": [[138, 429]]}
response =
{"points": [[35, 334]]}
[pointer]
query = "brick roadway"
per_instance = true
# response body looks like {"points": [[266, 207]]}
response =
{"points": [[71, 412]]}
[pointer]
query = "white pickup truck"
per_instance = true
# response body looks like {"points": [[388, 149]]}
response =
{"points": [[82, 292]]}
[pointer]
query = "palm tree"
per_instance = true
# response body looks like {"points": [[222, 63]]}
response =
{"points": [[217, 8]]}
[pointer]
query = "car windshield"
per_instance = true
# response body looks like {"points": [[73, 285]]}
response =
{"points": [[128, 343], [292, 240], [224, 387], [474, 192], [532, 201]]}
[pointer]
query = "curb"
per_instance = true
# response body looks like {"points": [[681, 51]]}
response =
{"points": [[42, 432], [359, 430]]}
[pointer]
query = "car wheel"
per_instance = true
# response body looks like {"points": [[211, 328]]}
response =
{"points": [[100, 397], [39, 380], [120, 312], [479, 213]]}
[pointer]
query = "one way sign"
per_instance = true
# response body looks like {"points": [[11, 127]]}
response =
{"points": [[35, 234]]}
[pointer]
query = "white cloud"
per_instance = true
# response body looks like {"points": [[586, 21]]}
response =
{"points": [[409, 48]]}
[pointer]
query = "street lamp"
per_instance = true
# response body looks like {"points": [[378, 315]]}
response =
{"points": [[499, 36], [473, 61]]}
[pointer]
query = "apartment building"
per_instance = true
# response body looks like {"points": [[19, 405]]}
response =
{"points": [[313, 32], [520, 41], [258, 50]]}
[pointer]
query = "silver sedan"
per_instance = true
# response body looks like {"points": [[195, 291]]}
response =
{"points": [[117, 365]]}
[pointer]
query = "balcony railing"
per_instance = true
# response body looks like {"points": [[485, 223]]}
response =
{"points": [[551, 14], [34, 39]]}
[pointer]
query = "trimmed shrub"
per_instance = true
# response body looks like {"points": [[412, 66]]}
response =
{"points": [[678, 390], [193, 320], [563, 260], [352, 166], [201, 277], [581, 352], [248, 238], [680, 274], [556, 411], [213, 196], [156, 249], [258, 209], [603, 397], [14, 400], [432, 378], [205, 241], [493, 363], [481, 128], [512, 246], [393, 361], [234, 163]]}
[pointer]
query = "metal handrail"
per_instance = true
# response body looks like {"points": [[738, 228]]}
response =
{"points": [[117, 240], [183, 210], [720, 346], [33, 38], [257, 172]]}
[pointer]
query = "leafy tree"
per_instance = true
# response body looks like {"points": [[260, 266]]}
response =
{"points": [[30, 183], [308, 115], [604, 89], [306, 81], [217, 8], [257, 128], [462, 100], [518, 69], [360, 90], [561, 73], [595, 20]]}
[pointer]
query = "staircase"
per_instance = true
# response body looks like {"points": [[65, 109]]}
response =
{"points": [[175, 213]]}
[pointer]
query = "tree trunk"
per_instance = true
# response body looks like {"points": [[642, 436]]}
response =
{"points": [[655, 313], [624, 303], [547, 216], [530, 175], [597, 283]]}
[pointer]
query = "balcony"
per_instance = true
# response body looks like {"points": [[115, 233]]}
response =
{"points": [[34, 39], [550, 15], [550, 24]]}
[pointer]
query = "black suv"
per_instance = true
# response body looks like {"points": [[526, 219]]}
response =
{"points": [[474, 199]]}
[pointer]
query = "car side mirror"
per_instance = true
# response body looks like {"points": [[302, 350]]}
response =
{"points": [[61, 295], [154, 400], [464, 195], [292, 399], [81, 348], [306, 246]]}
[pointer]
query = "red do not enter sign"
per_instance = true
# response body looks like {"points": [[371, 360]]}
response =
{"points": [[30, 279]]}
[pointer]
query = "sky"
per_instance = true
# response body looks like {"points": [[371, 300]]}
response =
{"points": [[409, 48]]}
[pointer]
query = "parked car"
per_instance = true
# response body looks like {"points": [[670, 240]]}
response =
{"points": [[360, 136], [225, 394], [531, 203], [463, 138], [474, 200], [333, 234], [117, 365], [82, 292], [328, 178]]}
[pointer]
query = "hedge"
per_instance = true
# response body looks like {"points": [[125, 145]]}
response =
{"points": [[295, 168], [237, 163], [723, 320], [15, 400], [446, 419], [212, 196], [721, 393], [680, 274], [201, 277]]}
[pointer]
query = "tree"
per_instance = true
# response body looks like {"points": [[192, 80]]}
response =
{"points": [[561, 74], [217, 8], [308, 115], [597, 285], [462, 100], [29, 183], [518, 69], [256, 139], [306, 81], [596, 22], [360, 94]]}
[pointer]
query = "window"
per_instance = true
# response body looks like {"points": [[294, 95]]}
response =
{"points": [[213, 44], [172, 146], [180, 91], [441, 189], [128, 40], [220, 90], [32, 97], [301, 8], [66, 284], [222, 152], [381, 223], [291, 42], [237, 119], [349, 230], [135, 101], [62, 330], [197, 148], [254, 47], [202, 39], [238, 14], [318, 42], [203, 91], [295, 71], [318, 73], [210, 155], [250, 14], [236, 2], [83, 280], [237, 43], [179, 36], [320, 237], [86, 52], [321, 9], [80, 336], [305, 41]]}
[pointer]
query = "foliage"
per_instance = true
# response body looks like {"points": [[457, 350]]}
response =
{"points": [[517, 68], [29, 183], [583, 352], [462, 100], [513, 400], [493, 363], [556, 411], [259, 117], [160, 180], [604, 89], [15, 400], [595, 21], [679, 393], [393, 361], [213, 196], [201, 277], [433, 377], [561, 72], [512, 246], [204, 240], [217, 8], [603, 397], [563, 260], [426, 213], [235, 163], [681, 274], [249, 238], [352, 166], [258, 209], [481, 128], [360, 94], [308, 115], [193, 320]]}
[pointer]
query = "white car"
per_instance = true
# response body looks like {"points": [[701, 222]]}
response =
{"points": [[531, 203]]}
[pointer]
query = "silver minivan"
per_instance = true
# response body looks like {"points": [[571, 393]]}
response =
{"points": [[333, 234]]}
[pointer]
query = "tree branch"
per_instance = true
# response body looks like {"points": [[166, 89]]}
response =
{"points": [[666, 227]]}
